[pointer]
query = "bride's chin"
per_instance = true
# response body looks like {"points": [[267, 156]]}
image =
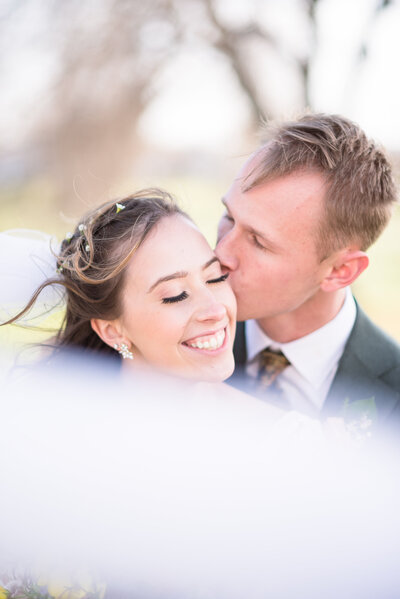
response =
{"points": [[219, 374]]}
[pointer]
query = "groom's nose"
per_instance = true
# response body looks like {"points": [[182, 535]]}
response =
{"points": [[225, 249]]}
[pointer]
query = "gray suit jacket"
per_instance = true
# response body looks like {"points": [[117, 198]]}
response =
{"points": [[368, 369]]}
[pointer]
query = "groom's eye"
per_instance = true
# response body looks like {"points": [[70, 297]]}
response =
{"points": [[175, 298], [257, 243]]}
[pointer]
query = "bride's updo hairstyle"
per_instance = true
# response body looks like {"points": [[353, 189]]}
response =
{"points": [[92, 263]]}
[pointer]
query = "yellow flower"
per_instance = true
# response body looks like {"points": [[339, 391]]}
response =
{"points": [[3, 593], [76, 588]]}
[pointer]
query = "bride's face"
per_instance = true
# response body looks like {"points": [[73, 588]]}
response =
{"points": [[178, 311]]}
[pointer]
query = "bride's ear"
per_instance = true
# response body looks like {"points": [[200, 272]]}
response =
{"points": [[108, 331], [346, 269]]}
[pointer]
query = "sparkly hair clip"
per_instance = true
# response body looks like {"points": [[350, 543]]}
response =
{"points": [[82, 228], [119, 207]]}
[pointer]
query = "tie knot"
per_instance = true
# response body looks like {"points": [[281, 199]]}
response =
{"points": [[270, 364]]}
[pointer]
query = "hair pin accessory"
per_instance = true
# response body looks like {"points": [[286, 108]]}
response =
{"points": [[69, 236], [119, 207]]}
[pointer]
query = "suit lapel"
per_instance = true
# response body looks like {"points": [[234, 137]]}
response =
{"points": [[369, 354], [239, 346], [366, 357], [239, 378]]}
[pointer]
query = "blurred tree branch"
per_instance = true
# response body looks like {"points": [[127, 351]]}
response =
{"points": [[363, 50], [229, 43], [108, 56], [105, 81]]}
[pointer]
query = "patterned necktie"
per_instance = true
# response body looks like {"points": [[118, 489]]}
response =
{"points": [[270, 364]]}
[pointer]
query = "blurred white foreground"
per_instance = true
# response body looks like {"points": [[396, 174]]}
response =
{"points": [[174, 490]]}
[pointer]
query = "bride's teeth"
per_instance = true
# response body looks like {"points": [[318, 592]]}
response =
{"points": [[211, 343]]}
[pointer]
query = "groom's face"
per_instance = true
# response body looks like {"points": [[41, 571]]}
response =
{"points": [[267, 241]]}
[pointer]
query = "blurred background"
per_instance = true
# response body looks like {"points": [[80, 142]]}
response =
{"points": [[101, 97]]}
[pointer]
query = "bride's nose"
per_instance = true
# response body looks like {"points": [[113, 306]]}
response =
{"points": [[211, 309]]}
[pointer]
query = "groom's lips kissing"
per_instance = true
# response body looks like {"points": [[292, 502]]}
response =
{"points": [[212, 342]]}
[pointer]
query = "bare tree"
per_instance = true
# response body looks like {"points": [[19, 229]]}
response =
{"points": [[108, 63], [109, 55]]}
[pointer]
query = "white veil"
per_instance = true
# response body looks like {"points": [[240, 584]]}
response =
{"points": [[27, 259]]}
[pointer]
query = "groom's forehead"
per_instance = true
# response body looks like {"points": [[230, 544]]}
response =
{"points": [[252, 165], [280, 203]]}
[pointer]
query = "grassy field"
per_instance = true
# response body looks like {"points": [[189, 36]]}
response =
{"points": [[377, 290]]}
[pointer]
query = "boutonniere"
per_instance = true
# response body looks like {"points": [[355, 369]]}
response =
{"points": [[359, 417]]}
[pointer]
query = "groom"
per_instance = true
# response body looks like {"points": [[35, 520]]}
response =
{"points": [[299, 218]]}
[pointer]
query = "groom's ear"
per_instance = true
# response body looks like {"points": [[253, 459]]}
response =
{"points": [[108, 331], [346, 268]]}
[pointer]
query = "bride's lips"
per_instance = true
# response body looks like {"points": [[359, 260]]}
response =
{"points": [[209, 351]]}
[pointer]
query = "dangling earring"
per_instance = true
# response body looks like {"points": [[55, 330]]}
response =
{"points": [[124, 350]]}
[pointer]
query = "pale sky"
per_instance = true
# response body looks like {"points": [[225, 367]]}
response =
{"points": [[368, 92], [199, 106]]}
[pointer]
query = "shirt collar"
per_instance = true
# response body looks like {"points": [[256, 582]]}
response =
{"points": [[329, 341]]}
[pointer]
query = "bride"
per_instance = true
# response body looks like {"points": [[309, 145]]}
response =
{"points": [[144, 287], [142, 284]]}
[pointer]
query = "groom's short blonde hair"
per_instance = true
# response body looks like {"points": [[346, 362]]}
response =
{"points": [[360, 190]]}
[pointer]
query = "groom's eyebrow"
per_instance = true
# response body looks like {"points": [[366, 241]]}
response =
{"points": [[181, 274]]}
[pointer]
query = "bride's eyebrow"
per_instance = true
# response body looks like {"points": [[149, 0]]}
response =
{"points": [[181, 274]]}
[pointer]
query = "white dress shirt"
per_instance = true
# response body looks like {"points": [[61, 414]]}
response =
{"points": [[313, 359]]}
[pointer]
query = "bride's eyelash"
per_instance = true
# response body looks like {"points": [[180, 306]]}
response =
{"points": [[184, 295], [220, 279], [175, 298]]}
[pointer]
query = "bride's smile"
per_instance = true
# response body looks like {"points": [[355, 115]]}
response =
{"points": [[178, 311], [208, 341]]}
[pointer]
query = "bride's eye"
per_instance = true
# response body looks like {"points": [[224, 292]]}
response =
{"points": [[175, 298], [220, 279]]}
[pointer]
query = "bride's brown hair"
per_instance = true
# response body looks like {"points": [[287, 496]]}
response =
{"points": [[91, 264]]}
